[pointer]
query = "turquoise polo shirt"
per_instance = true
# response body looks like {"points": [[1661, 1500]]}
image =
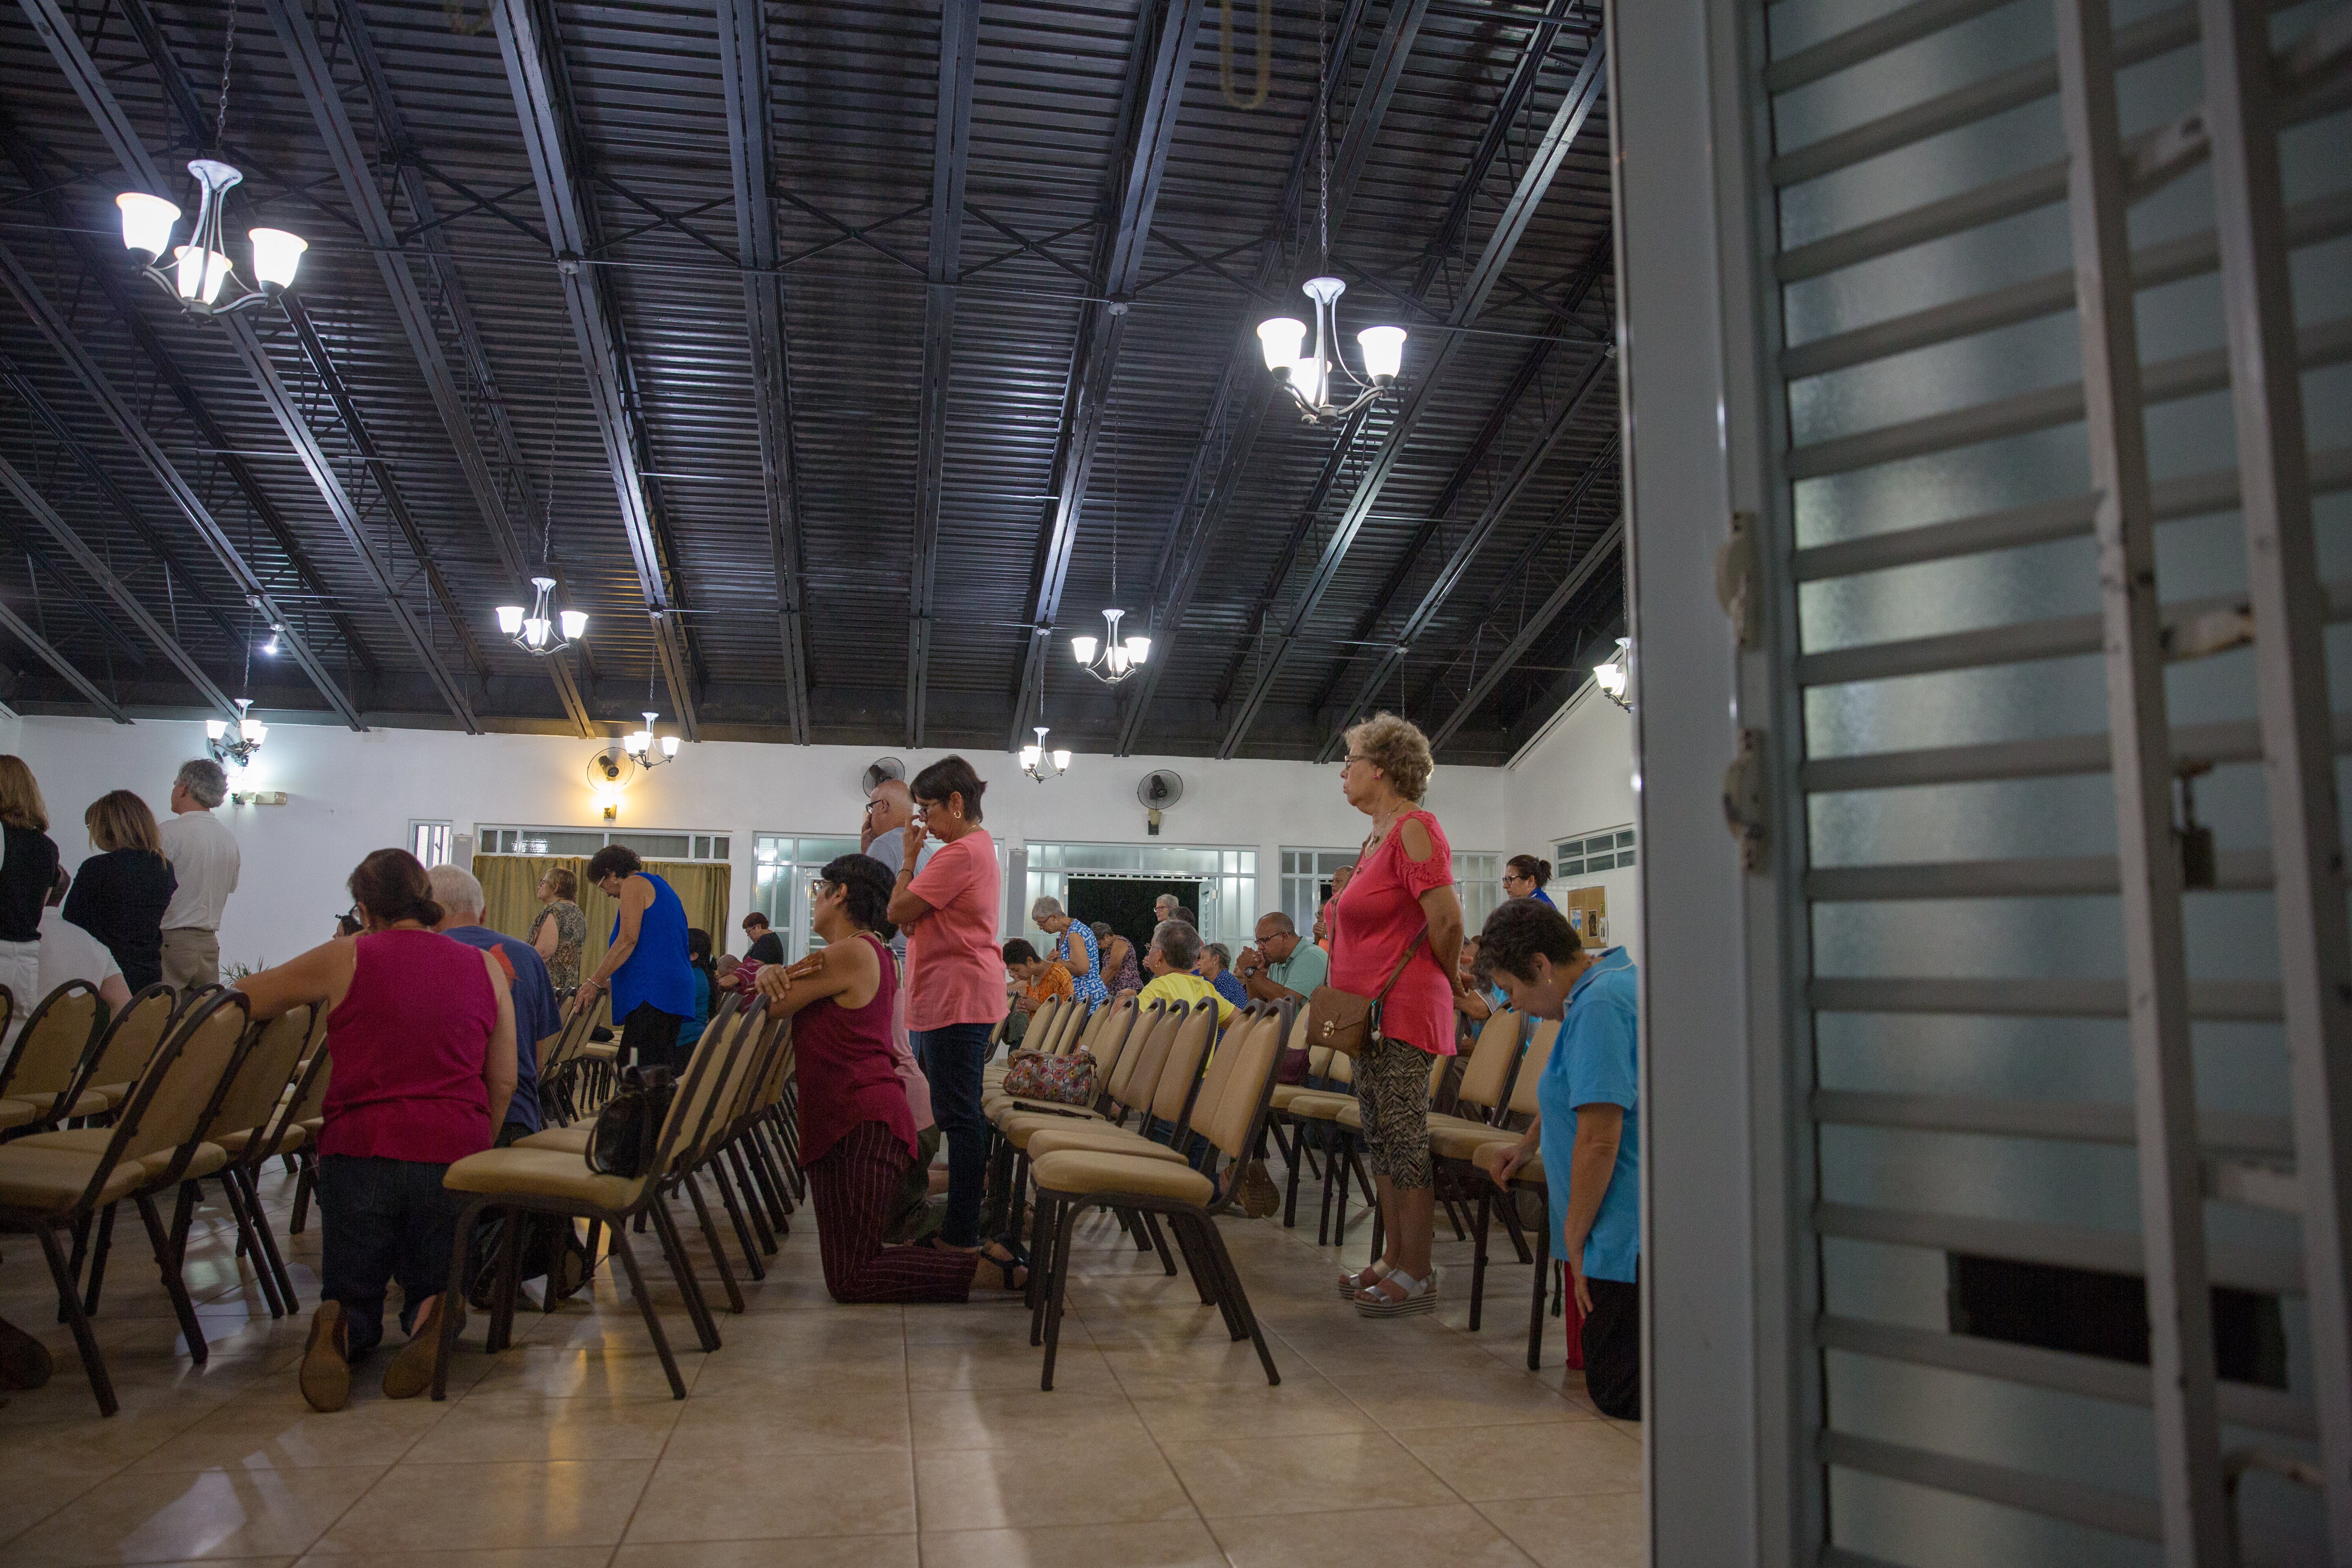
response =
{"points": [[1594, 1063]]}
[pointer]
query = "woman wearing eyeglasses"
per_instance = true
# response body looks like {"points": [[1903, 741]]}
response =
{"points": [[857, 1131], [1524, 877], [955, 972]]}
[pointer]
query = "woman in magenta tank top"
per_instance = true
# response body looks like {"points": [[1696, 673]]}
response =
{"points": [[420, 1031], [1396, 927], [858, 1136]]}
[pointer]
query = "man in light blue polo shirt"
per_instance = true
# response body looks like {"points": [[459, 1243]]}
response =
{"points": [[1588, 1128]]}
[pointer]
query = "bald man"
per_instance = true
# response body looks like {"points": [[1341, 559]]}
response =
{"points": [[882, 835]]}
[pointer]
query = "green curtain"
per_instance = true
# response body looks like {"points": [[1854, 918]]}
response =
{"points": [[511, 885]]}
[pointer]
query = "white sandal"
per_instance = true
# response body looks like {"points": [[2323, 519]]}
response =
{"points": [[1352, 1284], [1420, 1296]]}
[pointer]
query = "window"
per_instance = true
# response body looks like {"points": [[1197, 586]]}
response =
{"points": [[1224, 880], [585, 841], [782, 867], [431, 842], [1478, 883], [1611, 851], [1306, 881]]}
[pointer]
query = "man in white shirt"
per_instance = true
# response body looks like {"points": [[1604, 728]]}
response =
{"points": [[69, 952], [204, 858]]}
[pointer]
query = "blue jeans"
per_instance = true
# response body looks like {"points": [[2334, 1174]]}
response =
{"points": [[386, 1220], [951, 1059]]}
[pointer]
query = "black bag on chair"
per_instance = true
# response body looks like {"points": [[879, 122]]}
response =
{"points": [[622, 1142]]}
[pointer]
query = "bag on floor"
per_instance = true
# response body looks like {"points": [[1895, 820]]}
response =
{"points": [[622, 1142], [1347, 1022], [1052, 1080]]}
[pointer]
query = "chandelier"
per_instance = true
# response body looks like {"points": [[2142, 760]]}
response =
{"points": [[1316, 381], [202, 278], [1113, 658], [648, 750], [544, 629], [1610, 675], [250, 734], [1040, 763]]}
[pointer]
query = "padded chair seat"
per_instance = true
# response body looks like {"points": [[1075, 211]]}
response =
{"points": [[572, 1140], [1318, 1105], [1081, 1172], [49, 1181], [1019, 1128], [1449, 1142], [91, 1141], [1097, 1141], [1489, 1158], [91, 1103], [543, 1172], [1351, 1116], [1045, 1107], [601, 1050], [237, 1143], [116, 1093], [15, 1113]]}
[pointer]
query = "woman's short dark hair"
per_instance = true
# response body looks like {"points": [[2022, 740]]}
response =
{"points": [[1018, 952], [1517, 930], [614, 860], [951, 775], [1534, 870], [392, 885], [866, 882], [697, 950]]}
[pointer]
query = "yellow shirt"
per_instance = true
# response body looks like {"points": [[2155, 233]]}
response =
{"points": [[1186, 989]]}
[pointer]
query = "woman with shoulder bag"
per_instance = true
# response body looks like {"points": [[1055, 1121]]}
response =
{"points": [[1396, 938]]}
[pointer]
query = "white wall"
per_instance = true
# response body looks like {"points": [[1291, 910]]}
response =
{"points": [[1575, 778], [350, 793]]}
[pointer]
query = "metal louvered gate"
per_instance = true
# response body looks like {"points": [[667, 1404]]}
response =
{"points": [[2028, 310]]}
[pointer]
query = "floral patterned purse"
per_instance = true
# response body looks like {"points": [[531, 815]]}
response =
{"points": [[1050, 1079]]}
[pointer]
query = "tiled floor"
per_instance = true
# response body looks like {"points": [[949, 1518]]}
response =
{"points": [[821, 1434]]}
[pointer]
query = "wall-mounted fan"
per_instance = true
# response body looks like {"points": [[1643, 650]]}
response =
{"points": [[878, 770], [1156, 791], [611, 768]]}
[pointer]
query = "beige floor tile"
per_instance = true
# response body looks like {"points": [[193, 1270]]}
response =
{"points": [[1446, 1535], [1183, 1410], [191, 1514], [1604, 1531], [1042, 1485], [1492, 1397], [1170, 1543], [1303, 1474], [506, 1557], [272, 1428], [560, 1373], [802, 1423], [878, 1379], [983, 1321], [50, 1465], [1011, 1418], [448, 1508], [750, 1496], [528, 1429], [807, 1552], [802, 1339], [1484, 1464], [1008, 1364]]}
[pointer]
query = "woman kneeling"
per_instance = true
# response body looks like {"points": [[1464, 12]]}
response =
{"points": [[857, 1133]]}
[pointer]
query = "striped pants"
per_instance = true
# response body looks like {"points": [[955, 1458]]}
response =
{"points": [[854, 1186]]}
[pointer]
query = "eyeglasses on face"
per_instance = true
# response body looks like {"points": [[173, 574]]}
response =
{"points": [[817, 885]]}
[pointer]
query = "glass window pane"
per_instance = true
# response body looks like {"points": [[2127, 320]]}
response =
{"points": [[718, 848], [1625, 839]]}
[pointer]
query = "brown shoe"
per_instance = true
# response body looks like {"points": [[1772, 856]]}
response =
{"points": [[326, 1376], [23, 1360], [411, 1371], [1259, 1196]]}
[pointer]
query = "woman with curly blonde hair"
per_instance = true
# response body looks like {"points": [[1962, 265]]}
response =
{"points": [[1396, 936]]}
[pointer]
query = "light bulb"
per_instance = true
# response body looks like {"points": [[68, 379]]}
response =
{"points": [[216, 727], [534, 630], [146, 222], [276, 254], [575, 625], [201, 279], [1061, 762], [509, 619], [669, 745], [1115, 661], [1383, 352], [1084, 647], [637, 741], [1029, 755], [1138, 649], [1280, 338], [270, 647], [253, 729]]}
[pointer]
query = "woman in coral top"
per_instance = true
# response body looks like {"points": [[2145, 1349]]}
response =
{"points": [[1397, 925]]}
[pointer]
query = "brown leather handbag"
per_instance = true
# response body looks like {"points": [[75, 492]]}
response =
{"points": [[1347, 1022]]}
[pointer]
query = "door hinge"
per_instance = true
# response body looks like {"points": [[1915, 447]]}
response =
{"points": [[1735, 586], [1746, 800]]}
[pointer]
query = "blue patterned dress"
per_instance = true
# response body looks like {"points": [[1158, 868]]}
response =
{"points": [[1089, 986]]}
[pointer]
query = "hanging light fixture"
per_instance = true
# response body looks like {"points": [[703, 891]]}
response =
{"points": [[1320, 382], [1040, 763], [1112, 658], [649, 750], [200, 277], [544, 629], [1611, 675], [250, 734]]}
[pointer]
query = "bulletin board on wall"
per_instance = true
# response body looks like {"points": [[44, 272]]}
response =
{"points": [[1587, 909]]}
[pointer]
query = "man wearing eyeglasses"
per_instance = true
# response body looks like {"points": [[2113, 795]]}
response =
{"points": [[882, 835]]}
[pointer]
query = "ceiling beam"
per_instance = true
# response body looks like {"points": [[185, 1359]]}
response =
{"points": [[1237, 413], [951, 163], [1371, 106], [541, 87], [24, 634], [134, 433], [20, 485], [1599, 553], [333, 116], [1164, 40], [743, 69], [123, 137], [1535, 180], [1391, 658]]}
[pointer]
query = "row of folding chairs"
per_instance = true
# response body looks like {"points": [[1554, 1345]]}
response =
{"points": [[216, 1094], [1056, 1026], [730, 1119]]}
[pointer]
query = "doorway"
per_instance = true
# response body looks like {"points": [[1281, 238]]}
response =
{"points": [[1126, 902]]}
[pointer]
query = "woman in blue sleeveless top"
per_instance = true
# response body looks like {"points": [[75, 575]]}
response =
{"points": [[646, 969]]}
